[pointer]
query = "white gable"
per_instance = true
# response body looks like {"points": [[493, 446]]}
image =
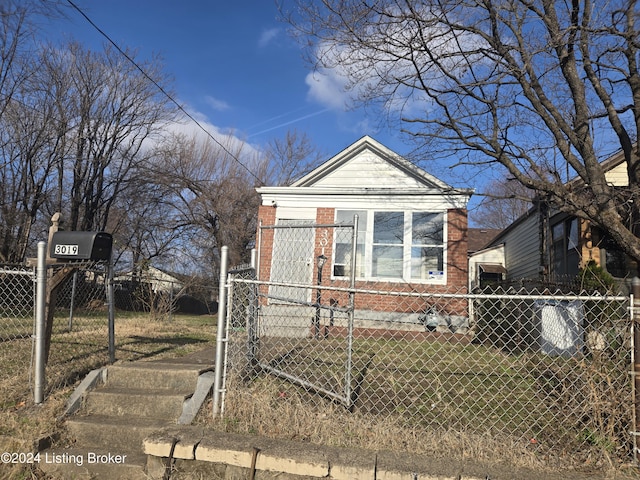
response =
{"points": [[369, 164], [366, 175], [368, 170]]}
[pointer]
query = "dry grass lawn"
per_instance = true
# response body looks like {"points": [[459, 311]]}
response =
{"points": [[73, 354]]}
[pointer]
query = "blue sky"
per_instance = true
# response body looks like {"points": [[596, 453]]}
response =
{"points": [[236, 69], [234, 66]]}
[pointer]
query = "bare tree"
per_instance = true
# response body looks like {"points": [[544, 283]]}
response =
{"points": [[544, 90], [505, 200], [144, 224], [18, 20], [27, 135], [109, 109], [291, 157], [73, 139], [213, 191]]}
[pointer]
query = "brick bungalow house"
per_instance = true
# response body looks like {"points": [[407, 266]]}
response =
{"points": [[412, 229]]}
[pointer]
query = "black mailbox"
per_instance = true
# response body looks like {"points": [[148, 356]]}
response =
{"points": [[81, 245]]}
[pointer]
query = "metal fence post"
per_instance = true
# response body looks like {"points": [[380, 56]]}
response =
{"points": [[635, 366], [221, 334], [40, 347], [252, 327], [111, 309], [73, 299], [348, 390]]}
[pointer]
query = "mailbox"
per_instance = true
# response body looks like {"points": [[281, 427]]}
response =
{"points": [[81, 246]]}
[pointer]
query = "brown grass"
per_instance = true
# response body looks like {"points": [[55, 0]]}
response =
{"points": [[259, 408], [395, 411], [73, 354]]}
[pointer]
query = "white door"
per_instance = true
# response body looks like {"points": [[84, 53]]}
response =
{"points": [[292, 261]]}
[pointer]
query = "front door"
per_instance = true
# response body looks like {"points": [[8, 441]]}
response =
{"points": [[292, 261]]}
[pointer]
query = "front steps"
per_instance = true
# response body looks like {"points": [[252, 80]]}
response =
{"points": [[136, 400]]}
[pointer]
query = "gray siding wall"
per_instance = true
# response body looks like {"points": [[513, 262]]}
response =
{"points": [[522, 249]]}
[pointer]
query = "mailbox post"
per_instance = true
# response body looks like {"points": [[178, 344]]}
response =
{"points": [[66, 249]]}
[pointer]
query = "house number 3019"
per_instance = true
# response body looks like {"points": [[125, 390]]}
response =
{"points": [[70, 250]]}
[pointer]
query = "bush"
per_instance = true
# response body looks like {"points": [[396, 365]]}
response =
{"points": [[594, 278]]}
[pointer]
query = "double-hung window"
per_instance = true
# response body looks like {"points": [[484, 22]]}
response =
{"points": [[565, 257], [394, 245], [387, 256], [343, 238], [427, 246]]}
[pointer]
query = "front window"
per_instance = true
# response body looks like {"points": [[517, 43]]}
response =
{"points": [[343, 237], [564, 252], [427, 246], [394, 245], [388, 249]]}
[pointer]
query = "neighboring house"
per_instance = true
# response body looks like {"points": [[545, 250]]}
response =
{"points": [[158, 280], [486, 264], [412, 233], [550, 246]]}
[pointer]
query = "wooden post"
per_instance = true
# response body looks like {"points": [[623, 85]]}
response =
{"points": [[54, 280]]}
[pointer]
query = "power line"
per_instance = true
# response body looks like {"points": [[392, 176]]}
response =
{"points": [[163, 91]]}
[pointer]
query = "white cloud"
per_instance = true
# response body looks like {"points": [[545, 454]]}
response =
{"points": [[219, 105], [384, 69], [327, 87], [268, 36], [204, 130]]}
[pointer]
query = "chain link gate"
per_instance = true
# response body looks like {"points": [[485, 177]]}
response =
{"points": [[291, 323]]}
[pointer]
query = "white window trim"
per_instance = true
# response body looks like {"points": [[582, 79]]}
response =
{"points": [[407, 246]]}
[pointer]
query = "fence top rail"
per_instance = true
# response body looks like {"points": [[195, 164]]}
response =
{"points": [[17, 271], [331, 308], [469, 296], [309, 225], [240, 269]]}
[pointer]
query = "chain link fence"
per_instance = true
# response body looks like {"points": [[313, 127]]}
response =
{"points": [[79, 321], [164, 295], [78, 325], [16, 302], [17, 298], [516, 371]]}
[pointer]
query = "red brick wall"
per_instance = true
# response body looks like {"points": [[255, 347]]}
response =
{"points": [[456, 267], [266, 217], [324, 243], [457, 263]]}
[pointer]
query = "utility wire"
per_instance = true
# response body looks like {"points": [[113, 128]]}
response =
{"points": [[164, 92]]}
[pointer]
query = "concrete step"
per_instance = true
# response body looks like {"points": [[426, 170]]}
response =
{"points": [[119, 401], [83, 463], [181, 378], [120, 435], [119, 407]]}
